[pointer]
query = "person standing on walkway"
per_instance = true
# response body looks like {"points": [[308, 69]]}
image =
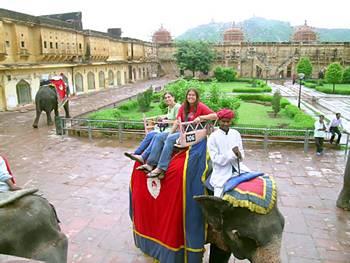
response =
{"points": [[334, 128], [319, 134]]}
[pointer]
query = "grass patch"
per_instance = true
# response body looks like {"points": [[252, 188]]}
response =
{"points": [[257, 115], [229, 87], [343, 89]]}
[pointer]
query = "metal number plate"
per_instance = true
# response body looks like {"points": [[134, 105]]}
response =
{"points": [[190, 137]]}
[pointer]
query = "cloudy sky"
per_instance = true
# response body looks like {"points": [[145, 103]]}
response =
{"points": [[140, 18]]}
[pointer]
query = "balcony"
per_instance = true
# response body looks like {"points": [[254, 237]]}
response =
{"points": [[23, 52]]}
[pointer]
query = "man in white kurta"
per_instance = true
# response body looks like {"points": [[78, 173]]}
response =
{"points": [[226, 152]]}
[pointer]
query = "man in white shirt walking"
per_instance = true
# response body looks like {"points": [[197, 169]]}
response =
{"points": [[319, 134], [226, 152], [334, 128]]}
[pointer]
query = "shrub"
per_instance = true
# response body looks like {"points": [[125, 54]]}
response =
{"points": [[131, 104], [346, 75], [225, 74], [292, 110], [284, 103], [144, 100], [276, 102], [310, 85]]}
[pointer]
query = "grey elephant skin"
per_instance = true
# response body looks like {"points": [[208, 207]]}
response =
{"points": [[239, 231], [29, 228], [344, 196], [46, 100]]}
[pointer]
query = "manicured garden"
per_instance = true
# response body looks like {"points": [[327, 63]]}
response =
{"points": [[343, 89], [252, 110]]}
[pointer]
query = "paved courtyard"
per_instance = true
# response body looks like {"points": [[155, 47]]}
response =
{"points": [[88, 182]]}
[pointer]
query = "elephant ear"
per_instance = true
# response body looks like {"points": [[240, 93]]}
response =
{"points": [[213, 208]]}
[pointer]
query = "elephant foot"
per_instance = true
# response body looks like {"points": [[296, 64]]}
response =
{"points": [[35, 126]]}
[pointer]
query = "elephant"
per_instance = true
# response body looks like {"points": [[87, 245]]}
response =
{"points": [[46, 99], [239, 231], [344, 196], [29, 227]]}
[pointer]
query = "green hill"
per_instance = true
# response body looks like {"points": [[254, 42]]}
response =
{"points": [[257, 29]]}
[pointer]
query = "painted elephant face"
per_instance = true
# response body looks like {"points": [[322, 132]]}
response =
{"points": [[247, 235]]}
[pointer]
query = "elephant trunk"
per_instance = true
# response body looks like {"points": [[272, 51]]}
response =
{"points": [[269, 253]]}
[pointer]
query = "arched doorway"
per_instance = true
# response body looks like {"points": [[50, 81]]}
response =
{"points": [[140, 74], [119, 79], [289, 71], [125, 77], [134, 74], [2, 99], [110, 78], [91, 80], [143, 73], [101, 79], [79, 84], [258, 71], [24, 94]]}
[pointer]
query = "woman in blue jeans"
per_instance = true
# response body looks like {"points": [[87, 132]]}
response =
{"points": [[191, 110], [143, 151]]}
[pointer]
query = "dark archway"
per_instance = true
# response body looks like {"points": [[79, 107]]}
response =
{"points": [[24, 93]]}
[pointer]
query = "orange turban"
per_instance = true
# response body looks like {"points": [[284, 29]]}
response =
{"points": [[225, 114]]}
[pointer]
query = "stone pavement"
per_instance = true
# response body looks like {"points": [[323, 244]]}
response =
{"points": [[327, 104], [88, 182]]}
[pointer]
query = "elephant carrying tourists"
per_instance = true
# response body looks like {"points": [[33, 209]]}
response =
{"points": [[52, 94]]}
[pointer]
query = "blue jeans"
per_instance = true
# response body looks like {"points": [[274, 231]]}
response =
{"points": [[145, 142], [157, 147], [164, 159], [146, 153]]}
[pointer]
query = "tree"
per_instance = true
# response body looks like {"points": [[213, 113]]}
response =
{"points": [[344, 196], [346, 75], [334, 74], [194, 56], [276, 102], [304, 66]]}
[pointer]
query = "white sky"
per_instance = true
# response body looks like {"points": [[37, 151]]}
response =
{"points": [[140, 18]]}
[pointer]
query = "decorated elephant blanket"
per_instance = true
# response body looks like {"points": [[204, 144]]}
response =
{"points": [[168, 224], [257, 194]]}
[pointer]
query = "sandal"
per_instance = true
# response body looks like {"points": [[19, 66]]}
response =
{"points": [[146, 167], [153, 174], [137, 158]]}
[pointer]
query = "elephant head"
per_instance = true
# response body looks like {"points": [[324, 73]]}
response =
{"points": [[247, 235], [29, 227]]}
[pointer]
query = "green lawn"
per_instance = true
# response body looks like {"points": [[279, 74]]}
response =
{"points": [[339, 88], [130, 114], [229, 87], [252, 114]]}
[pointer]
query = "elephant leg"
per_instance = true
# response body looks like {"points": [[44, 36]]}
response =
{"points": [[37, 117], [48, 115], [66, 109], [218, 255]]}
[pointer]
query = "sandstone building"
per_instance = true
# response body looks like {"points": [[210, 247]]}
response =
{"points": [[267, 59], [33, 46]]}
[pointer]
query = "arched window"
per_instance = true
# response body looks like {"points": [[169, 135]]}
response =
{"points": [[91, 80], [119, 79], [24, 94], [110, 78], [101, 79], [79, 84]]}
